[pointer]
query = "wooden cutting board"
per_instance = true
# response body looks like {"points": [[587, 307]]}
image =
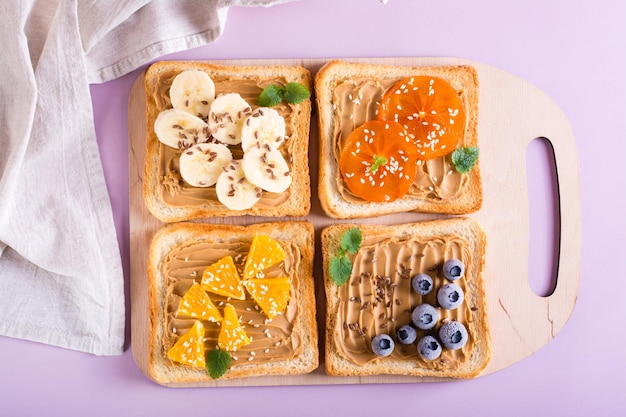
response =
{"points": [[512, 113]]}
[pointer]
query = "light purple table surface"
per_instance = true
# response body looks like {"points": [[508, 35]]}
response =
{"points": [[572, 50]]}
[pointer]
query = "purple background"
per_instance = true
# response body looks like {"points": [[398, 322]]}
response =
{"points": [[572, 50]]}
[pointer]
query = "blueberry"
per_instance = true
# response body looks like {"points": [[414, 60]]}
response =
{"points": [[429, 348], [382, 345], [422, 283], [406, 334], [424, 316], [453, 269], [450, 296], [453, 335]]}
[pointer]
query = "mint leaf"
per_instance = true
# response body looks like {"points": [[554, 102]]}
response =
{"points": [[296, 93], [378, 162], [340, 269], [270, 96], [351, 240], [340, 266], [464, 159], [217, 362]]}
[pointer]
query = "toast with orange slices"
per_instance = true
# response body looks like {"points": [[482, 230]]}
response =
{"points": [[388, 136], [230, 302]]}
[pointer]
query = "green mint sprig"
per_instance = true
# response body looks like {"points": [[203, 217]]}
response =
{"points": [[340, 267], [217, 362], [464, 159], [293, 93]]}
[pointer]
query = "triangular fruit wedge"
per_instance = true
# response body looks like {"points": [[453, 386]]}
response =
{"points": [[222, 278], [271, 294], [189, 348], [232, 335], [197, 304], [264, 253]]}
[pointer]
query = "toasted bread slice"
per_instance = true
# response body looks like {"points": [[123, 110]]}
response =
{"points": [[169, 198], [378, 298], [284, 345], [347, 96]]}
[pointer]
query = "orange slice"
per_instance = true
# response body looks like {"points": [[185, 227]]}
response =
{"points": [[271, 294], [232, 335], [264, 252], [222, 278], [430, 109], [197, 304], [378, 161], [189, 348]]}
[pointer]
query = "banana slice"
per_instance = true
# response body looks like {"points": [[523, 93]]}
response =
{"points": [[179, 129], [234, 190], [227, 114], [265, 126], [267, 170], [201, 165], [193, 91]]}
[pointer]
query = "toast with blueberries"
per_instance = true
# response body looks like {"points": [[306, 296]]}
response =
{"points": [[406, 299]]}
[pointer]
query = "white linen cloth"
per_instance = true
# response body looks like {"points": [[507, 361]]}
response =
{"points": [[61, 279]]}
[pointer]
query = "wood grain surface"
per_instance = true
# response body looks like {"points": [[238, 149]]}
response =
{"points": [[512, 113]]}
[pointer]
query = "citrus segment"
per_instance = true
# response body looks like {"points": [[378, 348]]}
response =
{"points": [[271, 294], [197, 304], [430, 109], [222, 278], [232, 335], [264, 253], [189, 348], [378, 161]]}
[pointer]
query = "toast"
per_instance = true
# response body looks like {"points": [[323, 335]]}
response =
{"points": [[286, 344], [170, 198], [347, 96], [378, 298]]}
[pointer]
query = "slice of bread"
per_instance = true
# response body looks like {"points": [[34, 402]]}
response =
{"points": [[378, 298], [347, 95], [169, 198], [285, 345]]}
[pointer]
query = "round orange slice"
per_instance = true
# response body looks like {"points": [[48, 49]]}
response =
{"points": [[378, 161], [222, 278], [232, 335], [264, 253], [271, 294], [189, 348], [430, 109], [197, 304]]}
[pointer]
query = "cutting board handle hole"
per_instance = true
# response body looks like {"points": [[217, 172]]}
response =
{"points": [[544, 216]]}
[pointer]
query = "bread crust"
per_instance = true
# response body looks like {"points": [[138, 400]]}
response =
{"points": [[161, 369], [299, 201], [462, 77], [337, 364]]}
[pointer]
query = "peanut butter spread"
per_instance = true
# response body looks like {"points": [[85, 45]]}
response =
{"points": [[378, 297], [270, 339], [174, 190], [356, 102]]}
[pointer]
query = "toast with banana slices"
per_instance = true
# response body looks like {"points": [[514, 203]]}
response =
{"points": [[213, 150]]}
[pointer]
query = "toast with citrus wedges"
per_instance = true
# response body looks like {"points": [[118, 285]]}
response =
{"points": [[397, 139], [230, 302]]}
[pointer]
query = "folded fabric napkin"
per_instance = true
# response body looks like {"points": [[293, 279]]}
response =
{"points": [[61, 279]]}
